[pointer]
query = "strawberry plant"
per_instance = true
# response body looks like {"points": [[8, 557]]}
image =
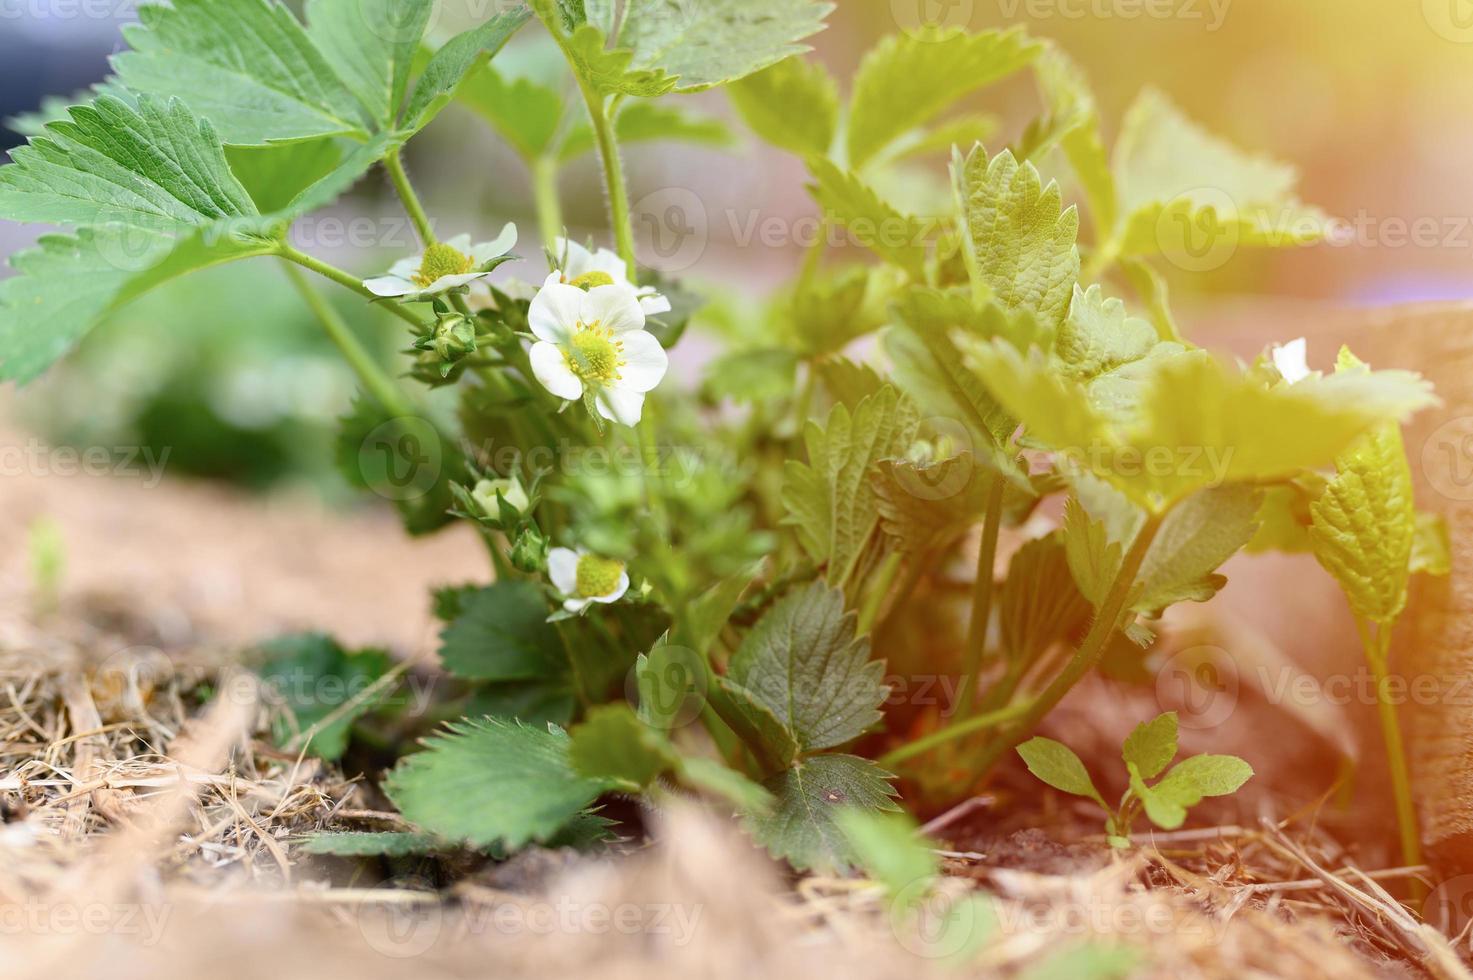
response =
{"points": [[705, 580]]}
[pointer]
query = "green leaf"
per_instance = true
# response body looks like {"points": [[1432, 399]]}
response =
{"points": [[1094, 558], [524, 111], [539, 702], [275, 174], [1151, 746], [612, 72], [1205, 775], [803, 661], [394, 845], [502, 634], [707, 615], [889, 848], [309, 677], [908, 79], [492, 782], [460, 56], [1432, 546], [802, 827], [1019, 240], [1199, 534], [946, 136], [1057, 765], [1039, 603], [250, 68], [1098, 337], [1166, 810], [649, 122], [794, 105], [898, 238], [757, 725], [717, 779], [1188, 194], [1364, 525], [717, 41], [830, 499], [924, 506], [1073, 122], [371, 46], [613, 744], [825, 313], [156, 167]]}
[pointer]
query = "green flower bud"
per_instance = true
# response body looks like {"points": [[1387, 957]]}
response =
{"points": [[529, 553]]}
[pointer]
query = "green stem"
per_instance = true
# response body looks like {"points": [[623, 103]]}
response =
{"points": [[1378, 654], [608, 151], [379, 384], [1107, 621], [349, 281], [879, 587], [954, 731], [982, 589], [394, 163], [545, 194]]}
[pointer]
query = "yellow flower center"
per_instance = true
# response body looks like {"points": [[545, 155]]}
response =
{"points": [[440, 261], [590, 279], [598, 577], [594, 355]]}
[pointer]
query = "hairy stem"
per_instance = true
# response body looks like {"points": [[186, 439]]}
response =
{"points": [[379, 384], [1378, 654], [1107, 620], [982, 589], [953, 731], [608, 151], [545, 194], [394, 163], [350, 281]]}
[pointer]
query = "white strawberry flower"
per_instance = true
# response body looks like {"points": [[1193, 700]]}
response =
{"points": [[583, 578], [443, 267], [593, 341], [604, 267], [1292, 360]]}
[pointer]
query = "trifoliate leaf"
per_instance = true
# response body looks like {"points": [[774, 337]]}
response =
{"points": [[794, 105], [801, 826], [251, 69], [1019, 240], [1057, 765], [374, 844], [613, 744], [889, 848], [803, 661], [1188, 194], [1364, 524], [492, 782], [830, 499], [717, 41], [1432, 546], [773, 744], [1151, 746], [1200, 534], [308, 678], [451, 64], [898, 238], [502, 634], [908, 79], [1039, 603]]}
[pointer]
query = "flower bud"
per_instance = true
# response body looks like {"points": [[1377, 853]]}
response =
{"points": [[529, 553]]}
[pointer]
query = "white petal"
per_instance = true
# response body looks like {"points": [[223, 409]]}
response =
{"points": [[389, 286], [576, 259], [446, 283], [562, 568], [407, 268], [652, 302], [576, 605], [609, 263], [505, 242], [461, 243], [553, 315], [645, 361], [612, 307], [551, 368], [621, 405], [1292, 360]]}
